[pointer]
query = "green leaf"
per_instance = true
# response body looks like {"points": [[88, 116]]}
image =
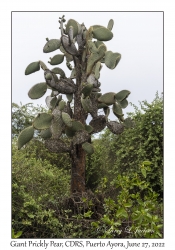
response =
{"points": [[94, 224], [88, 214], [106, 219], [122, 212], [147, 163], [17, 235], [127, 205], [143, 170]]}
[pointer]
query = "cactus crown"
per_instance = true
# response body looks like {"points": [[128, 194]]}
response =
{"points": [[84, 53]]}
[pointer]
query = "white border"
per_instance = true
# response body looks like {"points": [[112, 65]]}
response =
{"points": [[169, 83]]}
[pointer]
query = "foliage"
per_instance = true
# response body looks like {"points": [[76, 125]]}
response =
{"points": [[16, 235], [42, 207], [122, 154], [35, 184], [135, 212]]}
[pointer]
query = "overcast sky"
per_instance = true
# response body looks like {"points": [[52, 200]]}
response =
{"points": [[138, 37]]}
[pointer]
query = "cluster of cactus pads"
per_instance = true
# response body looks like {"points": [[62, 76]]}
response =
{"points": [[84, 52]]}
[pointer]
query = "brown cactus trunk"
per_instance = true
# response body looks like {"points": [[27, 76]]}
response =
{"points": [[77, 153], [78, 169]]}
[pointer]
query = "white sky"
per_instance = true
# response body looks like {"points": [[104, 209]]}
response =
{"points": [[138, 37]]}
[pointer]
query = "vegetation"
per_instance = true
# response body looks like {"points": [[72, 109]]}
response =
{"points": [[124, 180]]}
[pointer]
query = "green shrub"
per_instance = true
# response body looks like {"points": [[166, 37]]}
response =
{"points": [[134, 213], [35, 185], [122, 154]]}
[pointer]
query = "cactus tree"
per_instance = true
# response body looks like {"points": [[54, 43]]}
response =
{"points": [[73, 98]]}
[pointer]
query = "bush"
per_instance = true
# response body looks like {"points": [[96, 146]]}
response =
{"points": [[134, 213], [122, 154], [35, 185]]}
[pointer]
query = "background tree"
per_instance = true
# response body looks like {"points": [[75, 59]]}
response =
{"points": [[85, 48], [23, 115]]}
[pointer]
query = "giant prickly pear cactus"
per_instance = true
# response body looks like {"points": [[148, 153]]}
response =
{"points": [[84, 52]]}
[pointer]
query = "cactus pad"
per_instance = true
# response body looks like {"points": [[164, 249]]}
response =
{"points": [[120, 117], [102, 34], [57, 124], [69, 97], [80, 137], [43, 66], [48, 76], [102, 105], [108, 98], [97, 69], [75, 25], [87, 104], [69, 48], [32, 67], [58, 71], [38, 90], [61, 105], [57, 59], [92, 47], [86, 91], [25, 136], [51, 102], [88, 148], [89, 128], [54, 93], [98, 43], [69, 132], [69, 57], [57, 146], [51, 45], [110, 24], [67, 119], [123, 94], [95, 57], [115, 127], [98, 123], [106, 111], [42, 121], [46, 134], [117, 110], [112, 59], [123, 103], [92, 80], [77, 125]]}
